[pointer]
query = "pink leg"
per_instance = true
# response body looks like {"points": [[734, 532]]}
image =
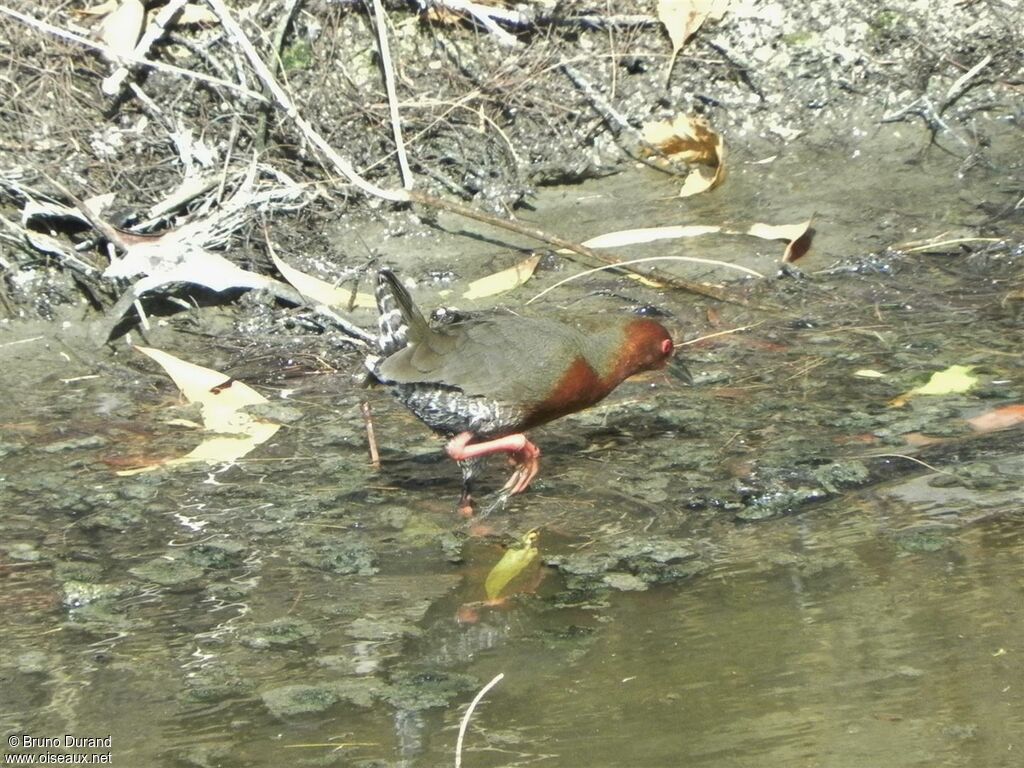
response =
{"points": [[524, 454]]}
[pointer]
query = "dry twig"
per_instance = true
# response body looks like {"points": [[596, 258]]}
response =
{"points": [[131, 58]]}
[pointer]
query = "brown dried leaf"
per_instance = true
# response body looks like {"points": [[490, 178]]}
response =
{"points": [[799, 237], [681, 19], [690, 140]]}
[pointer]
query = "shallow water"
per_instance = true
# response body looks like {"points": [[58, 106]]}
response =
{"points": [[872, 617]]}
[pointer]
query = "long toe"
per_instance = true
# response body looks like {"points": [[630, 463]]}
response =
{"points": [[528, 465], [498, 504]]}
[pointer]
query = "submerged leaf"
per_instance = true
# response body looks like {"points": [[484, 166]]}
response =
{"points": [[503, 281], [222, 399], [513, 562], [1000, 418]]}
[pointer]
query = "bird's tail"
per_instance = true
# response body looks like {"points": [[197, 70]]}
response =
{"points": [[400, 321]]}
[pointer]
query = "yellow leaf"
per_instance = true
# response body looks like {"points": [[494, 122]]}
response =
{"points": [[503, 281], [320, 291], [955, 380], [512, 563], [221, 398]]}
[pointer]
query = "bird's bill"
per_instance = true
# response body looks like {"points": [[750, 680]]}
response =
{"points": [[678, 370]]}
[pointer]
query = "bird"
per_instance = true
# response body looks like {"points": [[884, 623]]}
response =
{"points": [[482, 380]]}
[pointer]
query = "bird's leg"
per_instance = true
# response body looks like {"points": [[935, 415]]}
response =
{"points": [[467, 507], [524, 454]]}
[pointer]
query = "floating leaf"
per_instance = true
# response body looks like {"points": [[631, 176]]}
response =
{"points": [[955, 380], [513, 562], [320, 291], [867, 373], [503, 281], [647, 235], [798, 236], [222, 399]]}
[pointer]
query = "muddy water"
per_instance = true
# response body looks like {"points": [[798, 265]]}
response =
{"points": [[741, 573]]}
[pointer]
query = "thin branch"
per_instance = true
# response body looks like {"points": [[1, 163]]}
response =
{"points": [[689, 259], [469, 713], [278, 45], [343, 166], [958, 88], [381, 23], [486, 15]]}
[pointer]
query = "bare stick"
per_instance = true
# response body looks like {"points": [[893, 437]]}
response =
{"points": [[689, 259], [381, 22], [469, 713], [486, 15], [957, 89], [371, 437], [128, 57], [343, 166]]}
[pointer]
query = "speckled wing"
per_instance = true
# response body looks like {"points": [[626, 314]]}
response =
{"points": [[509, 359]]}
